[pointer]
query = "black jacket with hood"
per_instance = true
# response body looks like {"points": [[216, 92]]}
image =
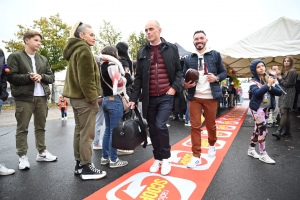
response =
{"points": [[125, 61], [3, 78]]}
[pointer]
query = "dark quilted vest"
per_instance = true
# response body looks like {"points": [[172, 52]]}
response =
{"points": [[159, 82]]}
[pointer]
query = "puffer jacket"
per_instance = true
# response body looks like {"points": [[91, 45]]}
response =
{"points": [[258, 89], [141, 82], [20, 65], [82, 77]]}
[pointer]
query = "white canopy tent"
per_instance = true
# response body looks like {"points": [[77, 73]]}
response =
{"points": [[271, 44]]}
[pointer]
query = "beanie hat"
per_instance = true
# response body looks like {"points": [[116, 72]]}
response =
{"points": [[73, 30]]}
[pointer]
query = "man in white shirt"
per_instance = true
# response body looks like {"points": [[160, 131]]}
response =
{"points": [[203, 94], [30, 75]]}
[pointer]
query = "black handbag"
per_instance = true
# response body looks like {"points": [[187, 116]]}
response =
{"points": [[130, 132]]}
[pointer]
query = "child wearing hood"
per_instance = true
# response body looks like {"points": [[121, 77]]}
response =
{"points": [[263, 91]]}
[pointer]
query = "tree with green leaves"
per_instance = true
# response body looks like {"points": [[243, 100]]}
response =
{"points": [[135, 42], [55, 34], [108, 35]]}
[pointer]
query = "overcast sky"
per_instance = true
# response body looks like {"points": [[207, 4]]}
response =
{"points": [[224, 21]]}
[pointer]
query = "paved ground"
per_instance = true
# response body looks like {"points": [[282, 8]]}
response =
{"points": [[238, 177], [7, 117]]}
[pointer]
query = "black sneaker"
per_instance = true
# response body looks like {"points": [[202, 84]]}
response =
{"points": [[78, 168], [90, 172]]}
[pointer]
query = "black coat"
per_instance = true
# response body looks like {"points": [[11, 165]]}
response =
{"points": [[179, 102], [141, 82], [3, 78]]}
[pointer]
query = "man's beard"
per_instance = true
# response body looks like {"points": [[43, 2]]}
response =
{"points": [[200, 48]]}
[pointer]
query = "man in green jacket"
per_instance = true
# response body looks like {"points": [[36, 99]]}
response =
{"points": [[29, 76]]}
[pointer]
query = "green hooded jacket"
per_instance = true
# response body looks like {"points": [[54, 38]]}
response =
{"points": [[82, 77]]}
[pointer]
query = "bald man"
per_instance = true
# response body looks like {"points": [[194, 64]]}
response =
{"points": [[157, 79]]}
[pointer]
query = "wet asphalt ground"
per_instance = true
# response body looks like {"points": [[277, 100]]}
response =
{"points": [[238, 177]]}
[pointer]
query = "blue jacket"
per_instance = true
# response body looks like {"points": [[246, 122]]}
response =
{"points": [[258, 92], [214, 65]]}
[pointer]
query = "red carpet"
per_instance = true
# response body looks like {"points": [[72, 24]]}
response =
{"points": [[182, 183]]}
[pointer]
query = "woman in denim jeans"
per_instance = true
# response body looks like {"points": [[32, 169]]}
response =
{"points": [[113, 84]]}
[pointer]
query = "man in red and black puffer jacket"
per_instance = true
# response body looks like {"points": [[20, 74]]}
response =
{"points": [[157, 78]]}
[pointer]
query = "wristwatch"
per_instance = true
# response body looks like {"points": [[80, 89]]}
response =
{"points": [[217, 79]]}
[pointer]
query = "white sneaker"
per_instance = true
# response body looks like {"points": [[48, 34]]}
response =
{"points": [[62, 119], [148, 141], [252, 153], [97, 146], [187, 124], [5, 171], [165, 167], [266, 158], [23, 163], [66, 118], [124, 152], [155, 166], [211, 151], [46, 156], [194, 162]]}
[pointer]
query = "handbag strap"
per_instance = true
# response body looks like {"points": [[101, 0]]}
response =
{"points": [[107, 83], [104, 79], [142, 124]]}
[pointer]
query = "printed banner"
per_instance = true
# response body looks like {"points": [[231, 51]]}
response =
{"points": [[181, 183]]}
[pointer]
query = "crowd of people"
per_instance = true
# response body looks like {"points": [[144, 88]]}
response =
{"points": [[96, 84], [231, 95]]}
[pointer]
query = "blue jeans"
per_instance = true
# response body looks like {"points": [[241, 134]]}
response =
{"points": [[99, 123], [63, 113], [187, 112], [223, 101], [159, 110], [113, 111]]}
